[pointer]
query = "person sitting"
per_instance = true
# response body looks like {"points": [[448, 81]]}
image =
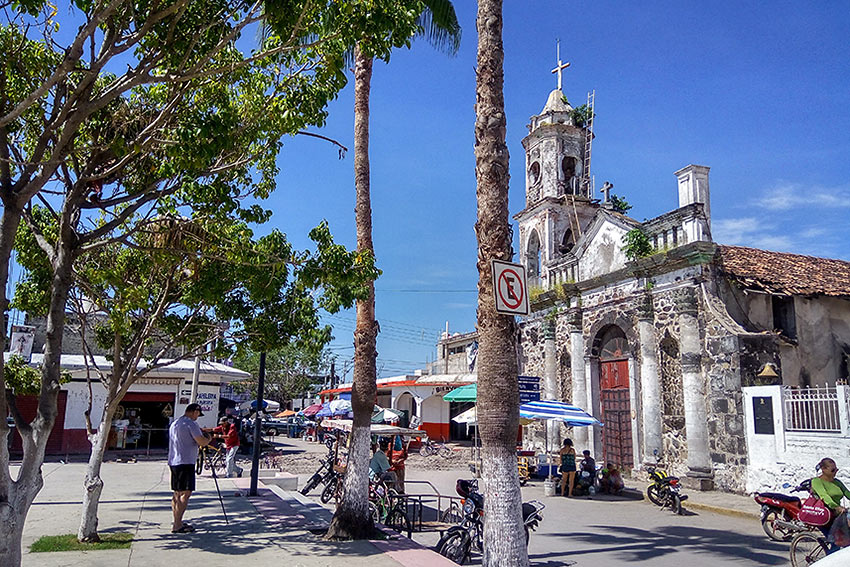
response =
{"points": [[379, 466], [612, 480], [831, 491], [588, 463]]}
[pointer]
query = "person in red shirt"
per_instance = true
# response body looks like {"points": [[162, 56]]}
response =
{"points": [[231, 445]]}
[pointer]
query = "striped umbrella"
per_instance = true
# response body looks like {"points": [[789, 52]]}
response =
{"points": [[549, 409]]}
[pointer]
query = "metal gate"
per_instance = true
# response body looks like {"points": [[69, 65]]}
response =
{"points": [[616, 413]]}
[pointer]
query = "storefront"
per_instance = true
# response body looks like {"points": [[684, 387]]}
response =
{"points": [[144, 414]]}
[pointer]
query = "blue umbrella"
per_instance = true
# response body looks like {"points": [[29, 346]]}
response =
{"points": [[550, 409], [326, 410]]}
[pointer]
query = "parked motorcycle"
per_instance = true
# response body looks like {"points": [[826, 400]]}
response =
{"points": [[665, 489], [779, 512], [458, 541]]}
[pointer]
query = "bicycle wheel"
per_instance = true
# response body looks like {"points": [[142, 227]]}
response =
{"points": [[806, 548], [398, 521], [452, 514], [373, 511], [445, 451], [454, 545], [653, 492], [328, 493], [426, 450], [199, 464], [218, 462], [311, 484]]}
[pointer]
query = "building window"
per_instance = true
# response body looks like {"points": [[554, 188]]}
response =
{"points": [[784, 316], [533, 255], [534, 173], [567, 242], [672, 394], [568, 168]]}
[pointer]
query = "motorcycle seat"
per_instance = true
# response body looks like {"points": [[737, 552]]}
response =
{"points": [[779, 496]]}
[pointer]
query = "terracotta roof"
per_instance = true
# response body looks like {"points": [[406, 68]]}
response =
{"points": [[784, 273]]}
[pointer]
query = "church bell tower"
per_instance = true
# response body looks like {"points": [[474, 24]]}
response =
{"points": [[558, 189]]}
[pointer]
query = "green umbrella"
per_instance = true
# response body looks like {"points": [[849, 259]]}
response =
{"points": [[468, 393]]}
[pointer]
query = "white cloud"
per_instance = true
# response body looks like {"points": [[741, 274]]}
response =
{"points": [[814, 232], [750, 231], [787, 196]]}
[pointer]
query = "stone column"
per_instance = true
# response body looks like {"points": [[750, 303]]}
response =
{"points": [[650, 381], [700, 473], [577, 369], [550, 382], [594, 406]]}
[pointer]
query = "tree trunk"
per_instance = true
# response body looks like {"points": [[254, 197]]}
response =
{"points": [[498, 390], [93, 484], [352, 519], [15, 502]]}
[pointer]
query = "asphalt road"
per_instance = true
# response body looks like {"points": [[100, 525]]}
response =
{"points": [[583, 532]]}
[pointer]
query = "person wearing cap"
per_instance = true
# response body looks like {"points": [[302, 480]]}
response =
{"points": [[184, 439], [231, 445]]}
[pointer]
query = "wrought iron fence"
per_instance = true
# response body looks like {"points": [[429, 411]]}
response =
{"points": [[812, 409]]}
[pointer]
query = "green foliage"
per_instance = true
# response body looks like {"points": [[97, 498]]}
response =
{"points": [[620, 204], [636, 244], [581, 115], [534, 292], [24, 379], [289, 371]]}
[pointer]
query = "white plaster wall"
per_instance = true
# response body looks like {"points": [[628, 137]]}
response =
{"points": [[788, 457], [435, 410], [78, 399], [604, 253]]}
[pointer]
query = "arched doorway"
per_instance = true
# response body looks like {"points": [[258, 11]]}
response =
{"points": [[614, 396], [406, 403]]}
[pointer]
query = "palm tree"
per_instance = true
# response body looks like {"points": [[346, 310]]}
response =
{"points": [[438, 24], [498, 390]]}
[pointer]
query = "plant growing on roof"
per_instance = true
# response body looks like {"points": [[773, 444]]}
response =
{"points": [[636, 244], [581, 115], [619, 204]]}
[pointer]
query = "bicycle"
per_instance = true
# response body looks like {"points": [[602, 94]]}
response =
{"points": [[430, 448], [807, 547], [210, 454]]}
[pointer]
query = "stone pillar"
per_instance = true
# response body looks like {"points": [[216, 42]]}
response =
{"points": [[594, 406], [577, 369], [550, 382], [650, 381], [700, 472]]}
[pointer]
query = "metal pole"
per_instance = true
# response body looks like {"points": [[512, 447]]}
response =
{"points": [[258, 423], [196, 374]]}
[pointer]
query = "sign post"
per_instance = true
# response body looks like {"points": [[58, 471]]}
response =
{"points": [[510, 288], [529, 389]]}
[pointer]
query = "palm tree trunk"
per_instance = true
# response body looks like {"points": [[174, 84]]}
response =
{"points": [[498, 390], [352, 519]]}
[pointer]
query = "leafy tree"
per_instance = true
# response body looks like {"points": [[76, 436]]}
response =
{"points": [[149, 109], [192, 283], [498, 390], [636, 244], [290, 371]]}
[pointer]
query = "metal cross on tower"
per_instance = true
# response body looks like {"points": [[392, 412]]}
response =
{"points": [[561, 65]]}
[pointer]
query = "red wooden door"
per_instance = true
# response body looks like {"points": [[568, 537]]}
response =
{"points": [[616, 413]]}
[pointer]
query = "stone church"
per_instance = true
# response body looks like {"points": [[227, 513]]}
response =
{"points": [[659, 342]]}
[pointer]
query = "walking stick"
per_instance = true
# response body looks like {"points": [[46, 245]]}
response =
{"points": [[215, 478]]}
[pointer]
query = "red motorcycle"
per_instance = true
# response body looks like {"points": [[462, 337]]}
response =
{"points": [[779, 512]]}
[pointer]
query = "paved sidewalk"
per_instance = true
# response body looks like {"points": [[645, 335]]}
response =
{"points": [[274, 528]]}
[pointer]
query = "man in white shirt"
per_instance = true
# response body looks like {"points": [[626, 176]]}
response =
{"points": [[184, 439]]}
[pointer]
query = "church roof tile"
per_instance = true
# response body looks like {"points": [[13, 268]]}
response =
{"points": [[785, 273]]}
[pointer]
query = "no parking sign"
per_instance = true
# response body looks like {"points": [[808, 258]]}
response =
{"points": [[510, 288]]}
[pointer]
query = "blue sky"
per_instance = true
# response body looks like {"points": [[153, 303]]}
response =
{"points": [[760, 95]]}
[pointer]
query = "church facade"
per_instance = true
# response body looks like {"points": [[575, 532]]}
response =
{"points": [[655, 328]]}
